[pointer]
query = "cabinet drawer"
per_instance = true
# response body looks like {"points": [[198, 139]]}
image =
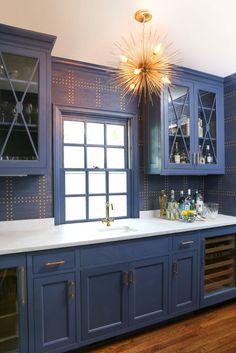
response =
{"points": [[185, 242], [124, 251], [53, 261]]}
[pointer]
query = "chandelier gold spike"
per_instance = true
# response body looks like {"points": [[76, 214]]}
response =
{"points": [[145, 66]]}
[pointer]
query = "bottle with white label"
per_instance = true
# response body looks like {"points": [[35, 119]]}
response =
{"points": [[176, 154], [208, 158]]}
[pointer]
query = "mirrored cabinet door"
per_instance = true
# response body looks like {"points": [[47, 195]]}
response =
{"points": [[19, 107], [180, 123]]}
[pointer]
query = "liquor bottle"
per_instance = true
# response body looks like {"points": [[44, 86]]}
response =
{"points": [[200, 126], [176, 154], [208, 158], [189, 202], [201, 159], [183, 157], [172, 210], [181, 201], [163, 203], [198, 199]]}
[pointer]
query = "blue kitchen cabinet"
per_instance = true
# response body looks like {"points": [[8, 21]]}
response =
{"points": [[185, 127], [25, 105], [54, 304], [184, 292], [148, 293], [13, 305], [104, 300]]}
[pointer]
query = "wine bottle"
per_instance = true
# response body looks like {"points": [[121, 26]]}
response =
{"points": [[176, 154]]}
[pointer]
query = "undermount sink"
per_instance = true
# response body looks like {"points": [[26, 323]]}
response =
{"points": [[116, 229]]}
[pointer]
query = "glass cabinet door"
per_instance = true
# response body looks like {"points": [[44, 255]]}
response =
{"points": [[19, 107], [220, 264], [179, 118], [9, 312], [207, 127]]}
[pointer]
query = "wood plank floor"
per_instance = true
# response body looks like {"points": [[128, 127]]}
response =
{"points": [[212, 330]]}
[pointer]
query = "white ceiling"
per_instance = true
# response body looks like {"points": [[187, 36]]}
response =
{"points": [[202, 31]]}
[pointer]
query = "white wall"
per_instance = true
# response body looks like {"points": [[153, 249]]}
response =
{"points": [[203, 31]]}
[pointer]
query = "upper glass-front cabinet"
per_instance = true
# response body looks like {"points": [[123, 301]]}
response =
{"points": [[185, 128], [180, 118], [24, 101]]}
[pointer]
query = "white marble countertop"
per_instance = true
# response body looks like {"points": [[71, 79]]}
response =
{"points": [[34, 235]]}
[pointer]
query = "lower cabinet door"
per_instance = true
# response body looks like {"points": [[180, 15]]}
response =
{"points": [[104, 300], [148, 280], [184, 294], [54, 312]]}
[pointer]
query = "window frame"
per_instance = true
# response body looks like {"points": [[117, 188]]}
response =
{"points": [[61, 113]]}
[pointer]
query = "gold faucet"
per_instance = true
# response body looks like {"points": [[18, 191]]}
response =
{"points": [[108, 220]]}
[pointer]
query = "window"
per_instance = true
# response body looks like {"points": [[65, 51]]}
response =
{"points": [[94, 164]]}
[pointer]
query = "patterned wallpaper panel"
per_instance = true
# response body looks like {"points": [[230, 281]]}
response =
{"points": [[25, 197], [222, 188], [75, 85]]}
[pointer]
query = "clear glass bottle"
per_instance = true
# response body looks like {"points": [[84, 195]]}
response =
{"points": [[176, 153], [208, 158], [189, 201], [200, 126], [201, 159], [181, 201], [163, 203], [172, 210], [183, 157], [198, 199]]}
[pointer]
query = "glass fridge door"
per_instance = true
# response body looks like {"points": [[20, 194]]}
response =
{"points": [[9, 313]]}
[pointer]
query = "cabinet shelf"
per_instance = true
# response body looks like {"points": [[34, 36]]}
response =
{"points": [[19, 85], [179, 136], [7, 125], [8, 315], [206, 108]]}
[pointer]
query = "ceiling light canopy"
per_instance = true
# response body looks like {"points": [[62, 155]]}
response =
{"points": [[145, 66]]}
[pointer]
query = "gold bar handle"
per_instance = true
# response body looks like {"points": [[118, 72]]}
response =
{"points": [[22, 285], [55, 263], [132, 278], [175, 267], [71, 288], [126, 279]]}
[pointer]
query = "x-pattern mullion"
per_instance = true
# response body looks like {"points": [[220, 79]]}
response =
{"points": [[179, 119], [207, 122], [21, 113]]}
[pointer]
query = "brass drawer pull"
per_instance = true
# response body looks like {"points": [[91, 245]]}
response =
{"points": [[175, 267], [71, 289], [187, 242], [22, 285], [126, 279], [55, 263], [132, 278]]}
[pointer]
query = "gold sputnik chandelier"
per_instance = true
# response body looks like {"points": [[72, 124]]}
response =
{"points": [[144, 67]]}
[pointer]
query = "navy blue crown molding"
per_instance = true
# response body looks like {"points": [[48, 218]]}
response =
{"points": [[24, 36], [230, 80], [180, 71]]}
